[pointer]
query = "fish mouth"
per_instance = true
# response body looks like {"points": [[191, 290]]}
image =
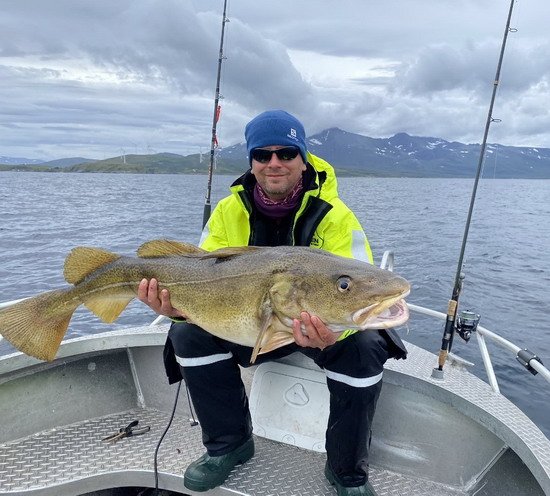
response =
{"points": [[391, 312]]}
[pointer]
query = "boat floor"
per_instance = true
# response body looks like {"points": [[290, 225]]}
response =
{"points": [[75, 460]]}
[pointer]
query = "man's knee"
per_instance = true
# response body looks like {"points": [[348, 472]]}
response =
{"points": [[371, 346], [184, 335], [364, 350], [356, 362]]}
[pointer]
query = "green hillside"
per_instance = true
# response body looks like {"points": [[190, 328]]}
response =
{"points": [[160, 163]]}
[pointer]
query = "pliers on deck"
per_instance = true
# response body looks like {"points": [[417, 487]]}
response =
{"points": [[127, 431]]}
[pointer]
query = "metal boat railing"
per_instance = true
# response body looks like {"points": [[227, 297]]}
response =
{"points": [[482, 334], [531, 362], [527, 358], [8, 303]]}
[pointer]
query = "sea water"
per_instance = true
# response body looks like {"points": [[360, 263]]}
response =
{"points": [[506, 263]]}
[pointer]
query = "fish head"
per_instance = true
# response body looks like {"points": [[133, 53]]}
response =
{"points": [[344, 293]]}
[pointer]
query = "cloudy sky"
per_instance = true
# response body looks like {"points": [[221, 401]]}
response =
{"points": [[94, 77]]}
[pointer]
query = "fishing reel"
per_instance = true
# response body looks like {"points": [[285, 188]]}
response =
{"points": [[466, 324]]}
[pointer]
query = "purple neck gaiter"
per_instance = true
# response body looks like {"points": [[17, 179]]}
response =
{"points": [[281, 208]]}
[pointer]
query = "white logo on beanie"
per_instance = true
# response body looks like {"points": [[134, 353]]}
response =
{"points": [[293, 135]]}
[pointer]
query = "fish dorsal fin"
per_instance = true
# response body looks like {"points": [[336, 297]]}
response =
{"points": [[166, 248], [231, 251], [82, 261]]}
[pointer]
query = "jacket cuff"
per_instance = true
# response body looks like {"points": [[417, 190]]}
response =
{"points": [[346, 334], [177, 319]]}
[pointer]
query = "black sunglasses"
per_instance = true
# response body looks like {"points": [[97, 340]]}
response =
{"points": [[264, 156]]}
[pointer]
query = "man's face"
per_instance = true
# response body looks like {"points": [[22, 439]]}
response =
{"points": [[277, 175]]}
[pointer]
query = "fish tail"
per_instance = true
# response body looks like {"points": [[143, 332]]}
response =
{"points": [[36, 326]]}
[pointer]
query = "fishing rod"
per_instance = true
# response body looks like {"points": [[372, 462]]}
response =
{"points": [[217, 108], [205, 216], [468, 321]]}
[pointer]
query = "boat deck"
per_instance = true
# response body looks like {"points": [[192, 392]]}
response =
{"points": [[76, 457], [449, 436]]}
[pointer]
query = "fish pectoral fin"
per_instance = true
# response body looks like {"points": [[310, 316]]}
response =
{"points": [[107, 309], [273, 334], [166, 248], [82, 261], [267, 318], [277, 339]]}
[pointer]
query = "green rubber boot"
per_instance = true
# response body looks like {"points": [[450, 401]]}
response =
{"points": [[365, 490], [209, 472]]}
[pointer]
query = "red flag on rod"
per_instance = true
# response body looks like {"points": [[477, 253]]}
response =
{"points": [[218, 112]]}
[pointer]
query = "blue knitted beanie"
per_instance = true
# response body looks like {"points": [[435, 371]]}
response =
{"points": [[275, 127]]}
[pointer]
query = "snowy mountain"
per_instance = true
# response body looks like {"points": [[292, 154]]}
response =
{"points": [[351, 154], [414, 156]]}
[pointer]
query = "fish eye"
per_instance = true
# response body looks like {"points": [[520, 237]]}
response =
{"points": [[343, 284]]}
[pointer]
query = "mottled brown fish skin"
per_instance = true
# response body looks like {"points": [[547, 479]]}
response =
{"points": [[245, 295]]}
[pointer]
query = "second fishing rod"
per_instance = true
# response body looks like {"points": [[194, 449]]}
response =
{"points": [[466, 323]]}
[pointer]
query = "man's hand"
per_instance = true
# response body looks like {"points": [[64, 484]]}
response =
{"points": [[148, 293], [317, 334]]}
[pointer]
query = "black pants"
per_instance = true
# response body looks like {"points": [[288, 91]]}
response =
{"points": [[354, 366]]}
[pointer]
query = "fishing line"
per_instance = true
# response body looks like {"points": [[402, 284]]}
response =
{"points": [[162, 438], [449, 330], [495, 159], [193, 421], [155, 458]]}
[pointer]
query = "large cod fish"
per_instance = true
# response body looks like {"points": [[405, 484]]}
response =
{"points": [[247, 295]]}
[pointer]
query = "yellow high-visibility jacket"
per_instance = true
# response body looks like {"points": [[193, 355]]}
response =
{"points": [[322, 221]]}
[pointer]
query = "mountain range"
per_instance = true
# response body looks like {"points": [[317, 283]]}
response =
{"points": [[351, 154]]}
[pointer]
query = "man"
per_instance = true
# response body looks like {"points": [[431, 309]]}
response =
{"points": [[288, 197]]}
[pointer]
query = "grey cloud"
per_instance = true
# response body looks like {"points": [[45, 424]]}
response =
{"points": [[260, 73], [439, 60], [445, 68]]}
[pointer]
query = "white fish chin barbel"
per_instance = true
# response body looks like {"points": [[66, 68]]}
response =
{"points": [[395, 316], [389, 313]]}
